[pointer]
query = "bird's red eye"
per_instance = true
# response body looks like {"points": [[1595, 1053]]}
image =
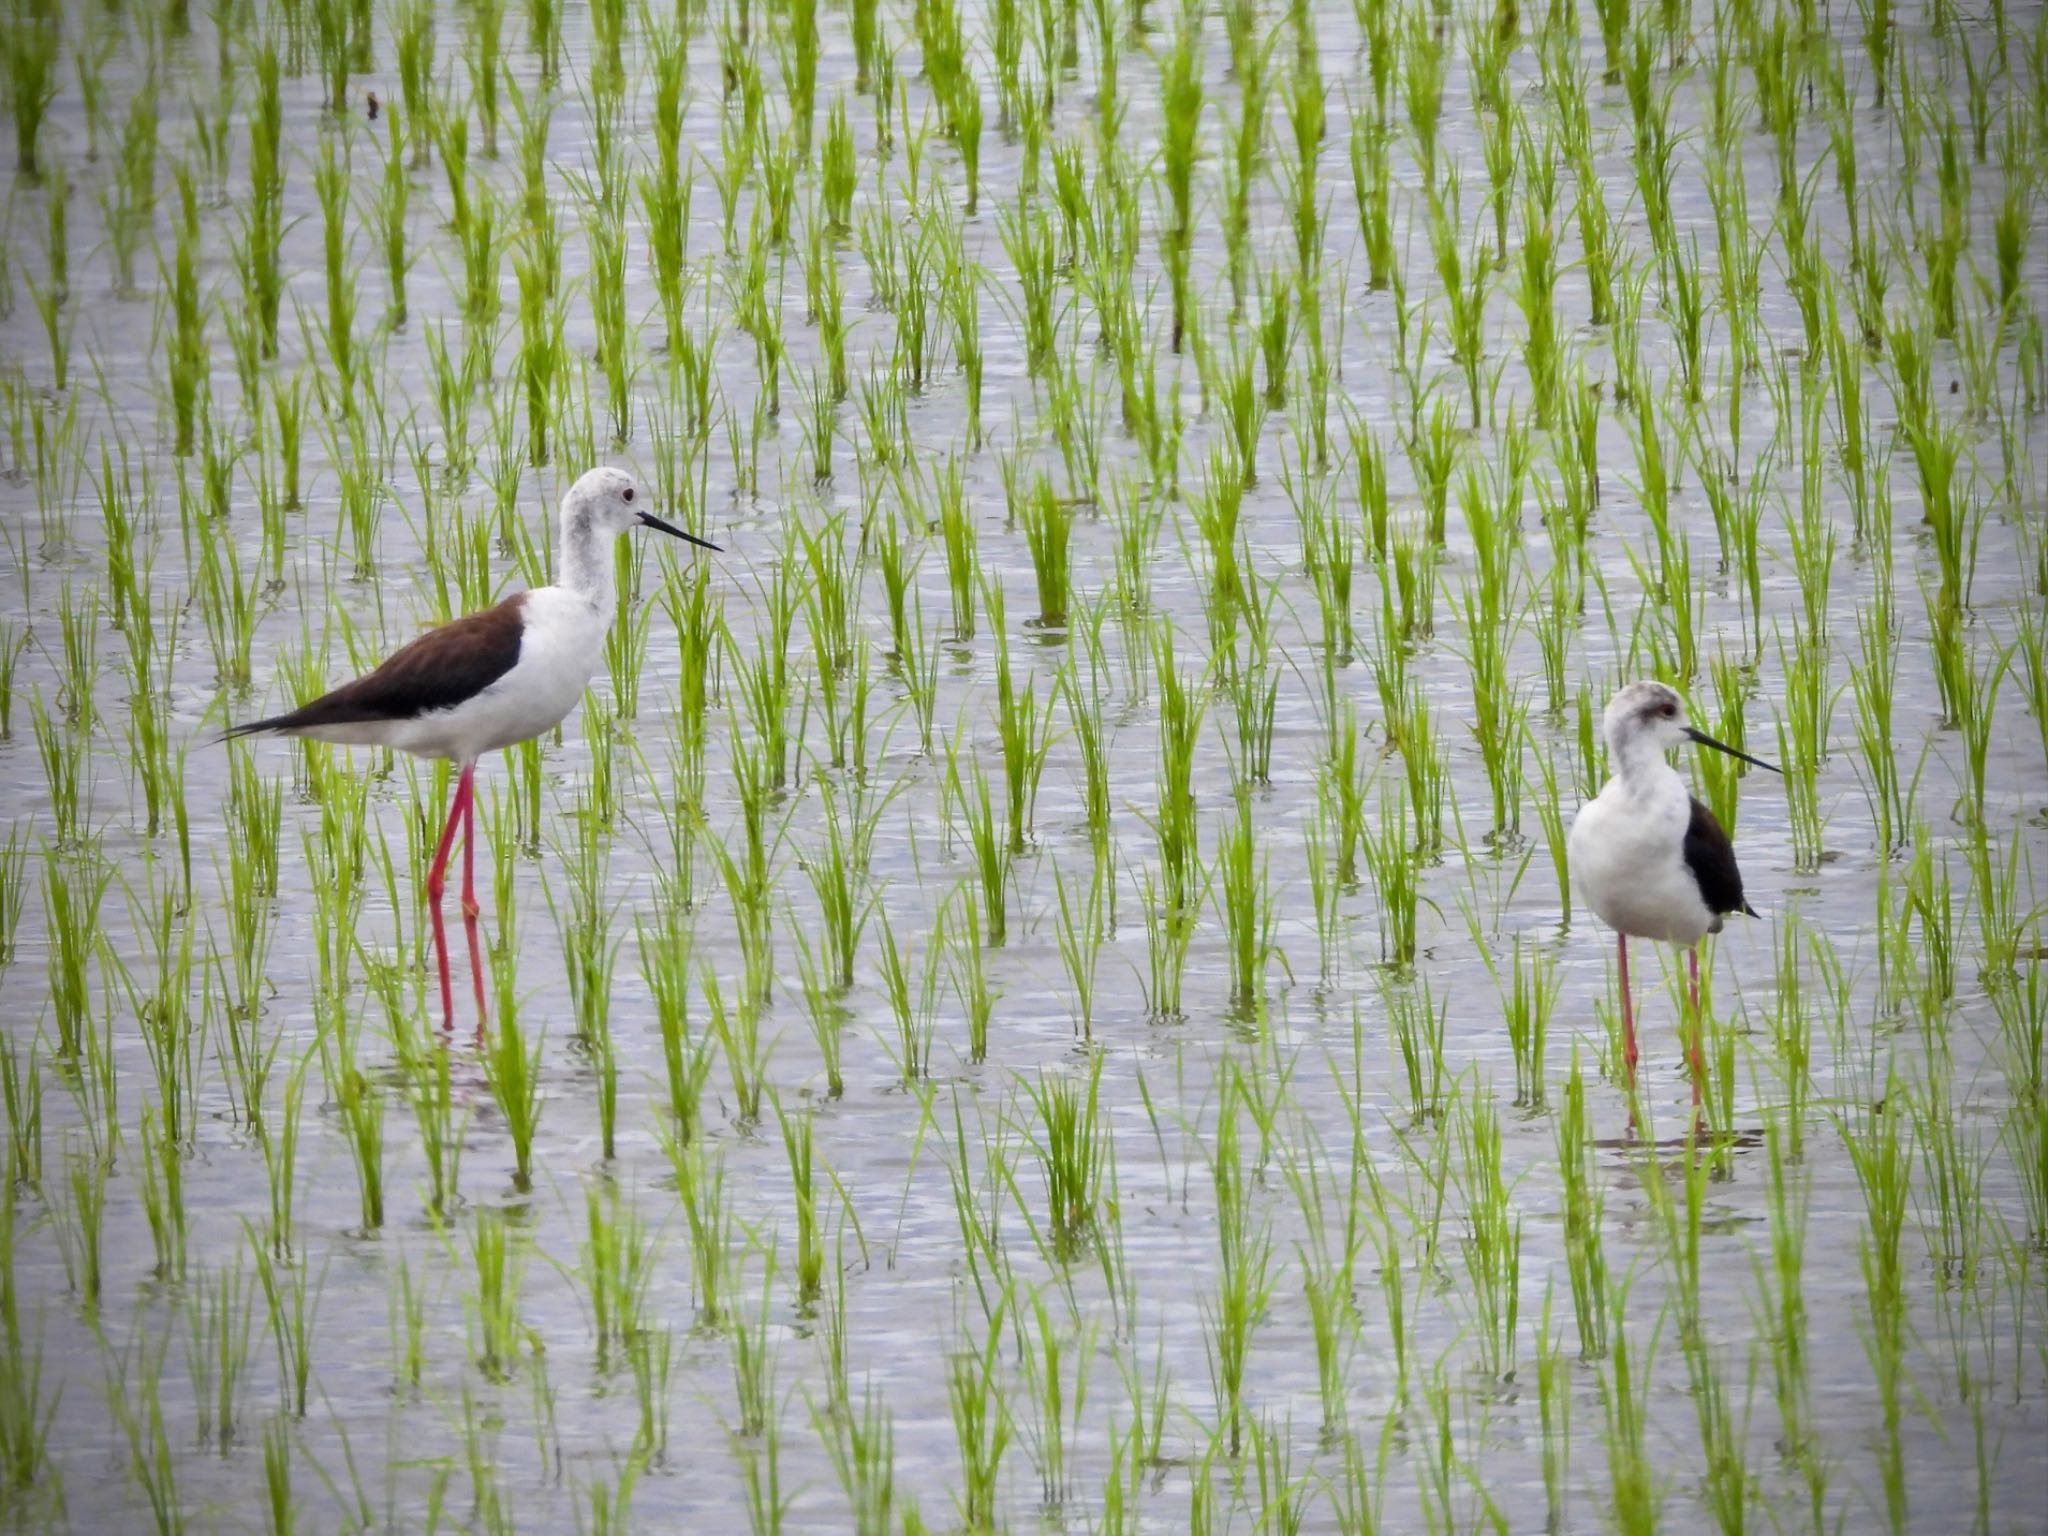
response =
{"points": [[1669, 710], [628, 493]]}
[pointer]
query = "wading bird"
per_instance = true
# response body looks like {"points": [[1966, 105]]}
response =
{"points": [[488, 680], [1648, 858]]}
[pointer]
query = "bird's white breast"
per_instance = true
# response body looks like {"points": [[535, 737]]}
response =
{"points": [[558, 655], [1628, 860], [560, 649]]}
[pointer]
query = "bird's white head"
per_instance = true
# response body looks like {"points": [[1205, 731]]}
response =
{"points": [[603, 500], [1644, 717], [602, 504], [1646, 720]]}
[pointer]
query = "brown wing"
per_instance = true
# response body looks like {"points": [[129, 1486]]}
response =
{"points": [[441, 669]]}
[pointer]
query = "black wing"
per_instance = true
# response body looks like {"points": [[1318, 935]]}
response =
{"points": [[1711, 857], [441, 669]]}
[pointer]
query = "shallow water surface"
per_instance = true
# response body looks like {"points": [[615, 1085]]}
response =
{"points": [[1344, 1250]]}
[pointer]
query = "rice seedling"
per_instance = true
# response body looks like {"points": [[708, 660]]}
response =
{"points": [[1493, 1239], [1422, 82], [737, 1029], [32, 51], [1802, 732], [73, 891], [291, 1303], [361, 1109], [12, 642], [431, 1092], [80, 1223], [665, 952], [1024, 729], [1585, 1202], [1275, 330], [498, 1263], [216, 1353], [761, 1437], [1244, 903], [135, 1397], [968, 963], [1327, 1281], [1254, 692], [862, 1448], [912, 1015], [1245, 1284], [1181, 101], [617, 1259], [990, 847], [52, 294], [1056, 1360], [128, 201], [1390, 864], [982, 1422], [1072, 1147], [700, 1181], [22, 1092], [1065, 232], [185, 357], [1081, 931], [1880, 1151], [512, 1071], [977, 1212], [25, 1417], [1048, 524], [163, 1005]]}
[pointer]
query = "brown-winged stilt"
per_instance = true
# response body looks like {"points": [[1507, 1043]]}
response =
{"points": [[488, 680], [1648, 858]]}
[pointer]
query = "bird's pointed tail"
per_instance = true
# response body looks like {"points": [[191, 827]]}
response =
{"points": [[251, 728]]}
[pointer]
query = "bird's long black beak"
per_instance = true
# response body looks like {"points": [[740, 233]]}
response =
{"points": [[659, 526], [1721, 746]]}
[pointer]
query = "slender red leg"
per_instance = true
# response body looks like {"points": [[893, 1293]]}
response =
{"points": [[470, 910], [1628, 1030], [1628, 1014], [437, 881], [1694, 1050]]}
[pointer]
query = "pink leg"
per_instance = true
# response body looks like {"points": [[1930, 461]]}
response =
{"points": [[437, 881], [1694, 1051], [470, 910], [1628, 1015], [1628, 1030]]}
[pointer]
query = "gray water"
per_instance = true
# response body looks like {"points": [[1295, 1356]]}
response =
{"points": [[462, 1447]]}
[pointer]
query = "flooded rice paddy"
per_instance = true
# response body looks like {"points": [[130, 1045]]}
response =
{"points": [[1040, 989]]}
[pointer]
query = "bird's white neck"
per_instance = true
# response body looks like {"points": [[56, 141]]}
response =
{"points": [[586, 565], [1639, 762]]}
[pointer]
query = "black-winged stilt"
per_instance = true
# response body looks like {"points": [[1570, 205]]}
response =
{"points": [[488, 680], [1648, 858]]}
